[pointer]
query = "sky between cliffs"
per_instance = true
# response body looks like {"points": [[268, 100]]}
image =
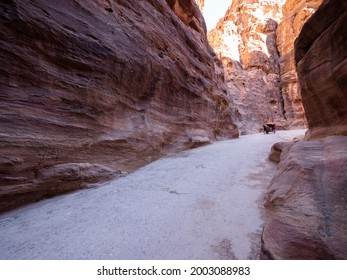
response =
{"points": [[214, 10]]}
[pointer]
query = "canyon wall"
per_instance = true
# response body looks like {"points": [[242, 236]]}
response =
{"points": [[306, 203], [91, 90], [295, 14], [321, 52], [255, 42], [245, 42]]}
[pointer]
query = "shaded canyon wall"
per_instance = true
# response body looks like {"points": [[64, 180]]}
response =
{"points": [[321, 51], [90, 90], [306, 203], [295, 14]]}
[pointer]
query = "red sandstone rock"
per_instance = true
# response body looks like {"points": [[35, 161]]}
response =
{"points": [[88, 88], [306, 203], [295, 14], [322, 69], [258, 59], [279, 150], [245, 42]]}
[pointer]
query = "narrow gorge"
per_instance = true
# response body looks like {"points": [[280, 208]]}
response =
{"points": [[92, 91], [255, 44]]}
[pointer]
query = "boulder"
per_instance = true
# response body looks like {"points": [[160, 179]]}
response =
{"points": [[278, 150]]}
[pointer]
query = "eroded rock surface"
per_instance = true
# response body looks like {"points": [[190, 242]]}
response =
{"points": [[307, 200], [245, 42], [89, 88], [295, 14], [306, 203], [278, 151], [321, 52]]}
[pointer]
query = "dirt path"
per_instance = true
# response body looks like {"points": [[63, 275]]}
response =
{"points": [[199, 204]]}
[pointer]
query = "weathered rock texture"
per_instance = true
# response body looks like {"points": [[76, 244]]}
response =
{"points": [[245, 42], [92, 88], [295, 14], [277, 151], [306, 203], [321, 52]]}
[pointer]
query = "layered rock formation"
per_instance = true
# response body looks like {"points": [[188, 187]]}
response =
{"points": [[245, 42], [91, 89], [307, 201], [295, 14], [321, 53]]}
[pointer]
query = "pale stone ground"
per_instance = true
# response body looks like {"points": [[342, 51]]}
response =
{"points": [[204, 203]]}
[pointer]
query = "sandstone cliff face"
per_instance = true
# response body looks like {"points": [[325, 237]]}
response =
{"points": [[91, 89], [321, 52], [307, 201], [245, 42], [295, 14]]}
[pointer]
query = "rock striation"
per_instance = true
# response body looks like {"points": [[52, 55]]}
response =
{"points": [[90, 90], [322, 69], [245, 42], [295, 14], [306, 203]]}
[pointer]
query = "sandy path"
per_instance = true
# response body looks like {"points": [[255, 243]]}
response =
{"points": [[199, 204]]}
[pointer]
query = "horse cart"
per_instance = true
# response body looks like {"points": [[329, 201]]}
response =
{"points": [[269, 127]]}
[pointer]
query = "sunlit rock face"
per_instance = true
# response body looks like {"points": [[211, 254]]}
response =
{"points": [[295, 14], [321, 53], [92, 89], [245, 42], [201, 4]]}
